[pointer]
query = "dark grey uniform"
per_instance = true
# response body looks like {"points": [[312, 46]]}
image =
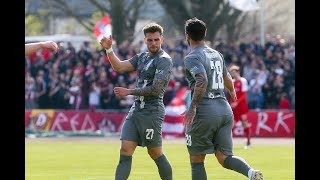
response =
{"points": [[143, 123], [212, 126]]}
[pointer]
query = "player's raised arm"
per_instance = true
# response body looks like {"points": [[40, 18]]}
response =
{"points": [[33, 47], [116, 63]]}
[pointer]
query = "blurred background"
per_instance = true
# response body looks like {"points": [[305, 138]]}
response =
{"points": [[258, 36]]}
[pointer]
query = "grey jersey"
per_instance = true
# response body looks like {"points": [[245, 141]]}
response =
{"points": [[204, 59], [150, 67]]}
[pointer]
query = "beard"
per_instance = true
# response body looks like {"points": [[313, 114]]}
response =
{"points": [[153, 49]]}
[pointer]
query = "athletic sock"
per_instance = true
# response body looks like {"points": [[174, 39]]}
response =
{"points": [[247, 131], [123, 168], [250, 173], [237, 164], [198, 171], [164, 167]]}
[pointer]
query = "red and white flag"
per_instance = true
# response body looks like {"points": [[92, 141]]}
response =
{"points": [[103, 28], [173, 121]]}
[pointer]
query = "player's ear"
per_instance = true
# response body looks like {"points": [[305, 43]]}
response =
{"points": [[187, 37], [145, 40]]}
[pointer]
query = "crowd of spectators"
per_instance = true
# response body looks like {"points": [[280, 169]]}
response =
{"points": [[84, 79]]}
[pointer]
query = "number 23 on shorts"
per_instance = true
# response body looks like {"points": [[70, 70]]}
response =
{"points": [[188, 140]]}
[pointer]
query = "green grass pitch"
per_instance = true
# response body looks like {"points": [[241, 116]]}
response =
{"points": [[97, 160]]}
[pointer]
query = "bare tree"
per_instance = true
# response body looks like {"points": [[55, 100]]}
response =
{"points": [[234, 27], [278, 19], [279, 16], [215, 13], [123, 14]]}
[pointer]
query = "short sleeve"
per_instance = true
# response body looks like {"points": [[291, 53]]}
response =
{"points": [[193, 65], [134, 61]]}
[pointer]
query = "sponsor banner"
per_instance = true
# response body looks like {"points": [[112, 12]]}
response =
{"points": [[265, 123], [268, 124], [87, 121], [26, 118], [41, 119]]}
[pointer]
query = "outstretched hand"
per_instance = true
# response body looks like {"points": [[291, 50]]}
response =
{"points": [[50, 45], [233, 95], [106, 42], [120, 91]]}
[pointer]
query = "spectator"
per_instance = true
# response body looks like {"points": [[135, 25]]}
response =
{"points": [[30, 91], [41, 92], [284, 103], [75, 97], [94, 97], [275, 61]]}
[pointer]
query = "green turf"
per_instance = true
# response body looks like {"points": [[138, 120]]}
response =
{"points": [[52, 160]]}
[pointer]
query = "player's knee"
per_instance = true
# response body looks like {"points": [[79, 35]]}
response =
{"points": [[127, 150], [154, 153], [197, 158], [220, 157], [128, 147]]}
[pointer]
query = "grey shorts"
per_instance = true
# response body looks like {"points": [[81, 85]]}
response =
{"points": [[209, 132], [144, 126]]}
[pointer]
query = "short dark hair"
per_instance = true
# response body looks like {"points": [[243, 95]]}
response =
{"points": [[196, 29], [152, 28], [234, 67]]}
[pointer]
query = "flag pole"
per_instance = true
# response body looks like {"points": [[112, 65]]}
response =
{"points": [[261, 9]]}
